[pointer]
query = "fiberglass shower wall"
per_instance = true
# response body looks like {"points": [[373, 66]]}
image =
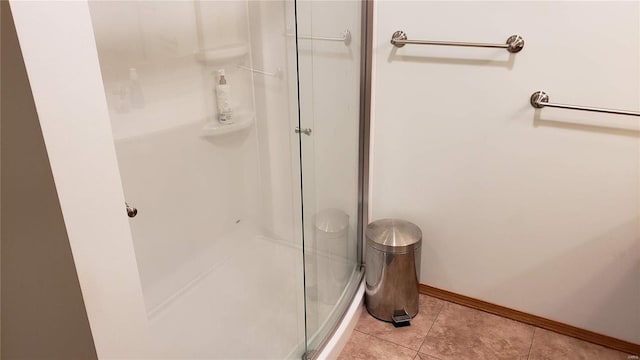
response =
{"points": [[216, 236]]}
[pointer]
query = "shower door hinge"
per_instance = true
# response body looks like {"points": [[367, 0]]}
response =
{"points": [[306, 131]]}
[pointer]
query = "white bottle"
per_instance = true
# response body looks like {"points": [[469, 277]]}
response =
{"points": [[124, 98], [135, 90], [223, 97]]}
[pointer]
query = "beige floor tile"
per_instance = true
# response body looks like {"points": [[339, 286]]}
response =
{"points": [[408, 336], [463, 333], [552, 346], [366, 347]]}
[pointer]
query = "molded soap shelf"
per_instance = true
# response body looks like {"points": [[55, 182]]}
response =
{"points": [[223, 53], [241, 121]]}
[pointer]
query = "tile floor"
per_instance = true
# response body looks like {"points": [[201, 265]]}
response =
{"points": [[444, 331]]}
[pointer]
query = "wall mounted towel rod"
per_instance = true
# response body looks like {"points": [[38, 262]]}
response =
{"points": [[345, 37], [276, 74], [514, 43], [540, 99]]}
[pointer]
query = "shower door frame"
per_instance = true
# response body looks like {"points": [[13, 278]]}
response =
{"points": [[366, 73], [364, 133]]}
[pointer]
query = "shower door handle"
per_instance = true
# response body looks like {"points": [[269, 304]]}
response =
{"points": [[306, 131], [131, 211]]}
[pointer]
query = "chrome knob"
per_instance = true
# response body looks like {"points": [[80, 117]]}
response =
{"points": [[304, 131], [131, 211]]}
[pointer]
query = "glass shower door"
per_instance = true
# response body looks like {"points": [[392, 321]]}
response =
{"points": [[329, 55], [216, 234], [204, 97]]}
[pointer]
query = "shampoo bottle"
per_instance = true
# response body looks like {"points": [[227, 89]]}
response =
{"points": [[124, 101], [135, 90], [223, 97]]}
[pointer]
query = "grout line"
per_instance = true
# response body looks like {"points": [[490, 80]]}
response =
{"points": [[531, 346], [418, 357], [391, 342], [444, 303], [430, 356]]}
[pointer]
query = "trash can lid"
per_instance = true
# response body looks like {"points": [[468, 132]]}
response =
{"points": [[332, 221], [393, 235]]}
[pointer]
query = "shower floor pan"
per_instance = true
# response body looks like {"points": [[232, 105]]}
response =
{"points": [[248, 305]]}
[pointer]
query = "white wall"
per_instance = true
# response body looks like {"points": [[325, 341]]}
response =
{"points": [[533, 210]]}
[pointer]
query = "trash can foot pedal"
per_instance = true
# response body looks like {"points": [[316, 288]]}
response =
{"points": [[400, 318]]}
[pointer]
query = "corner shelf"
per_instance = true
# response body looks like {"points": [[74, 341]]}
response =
{"points": [[223, 53], [241, 121]]}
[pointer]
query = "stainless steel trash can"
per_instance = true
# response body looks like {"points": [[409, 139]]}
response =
{"points": [[332, 238], [392, 268]]}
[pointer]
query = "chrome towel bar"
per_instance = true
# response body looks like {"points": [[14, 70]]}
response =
{"points": [[345, 37], [276, 74], [514, 43], [540, 99]]}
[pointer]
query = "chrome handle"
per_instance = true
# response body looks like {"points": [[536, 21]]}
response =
{"points": [[304, 131], [131, 211], [540, 99], [514, 43]]}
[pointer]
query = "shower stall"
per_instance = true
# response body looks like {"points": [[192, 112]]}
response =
{"points": [[210, 160], [247, 232]]}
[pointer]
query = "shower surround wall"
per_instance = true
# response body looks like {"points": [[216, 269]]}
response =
{"points": [[536, 211], [161, 147]]}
